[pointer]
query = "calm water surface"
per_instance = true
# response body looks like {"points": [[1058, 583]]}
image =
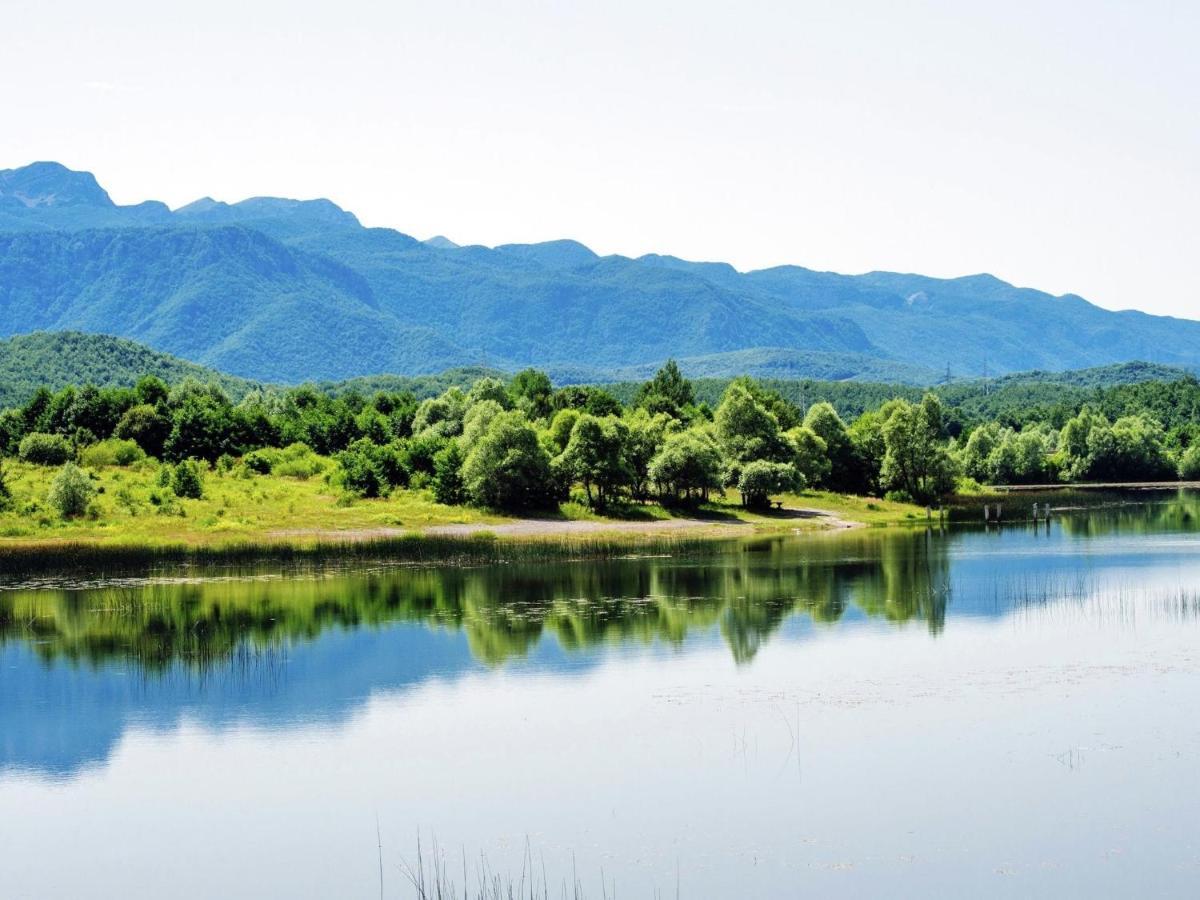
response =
{"points": [[1011, 713]]}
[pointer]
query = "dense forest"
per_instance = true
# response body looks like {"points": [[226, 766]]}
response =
{"points": [[523, 444]]}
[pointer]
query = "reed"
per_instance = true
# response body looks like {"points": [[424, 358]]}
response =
{"points": [[99, 561], [432, 877]]}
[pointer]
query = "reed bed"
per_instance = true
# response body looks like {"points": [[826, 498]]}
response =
{"points": [[432, 876], [100, 560]]}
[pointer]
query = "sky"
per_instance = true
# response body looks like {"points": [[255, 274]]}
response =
{"points": [[1054, 144]]}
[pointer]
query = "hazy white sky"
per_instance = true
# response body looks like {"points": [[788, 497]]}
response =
{"points": [[1056, 145]]}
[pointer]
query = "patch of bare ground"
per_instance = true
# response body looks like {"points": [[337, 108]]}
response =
{"points": [[717, 526]]}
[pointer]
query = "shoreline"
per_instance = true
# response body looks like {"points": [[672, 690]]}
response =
{"points": [[519, 540]]}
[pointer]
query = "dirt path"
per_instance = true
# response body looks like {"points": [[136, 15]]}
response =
{"points": [[718, 527], [551, 527]]}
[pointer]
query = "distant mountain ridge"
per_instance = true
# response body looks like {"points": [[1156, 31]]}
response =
{"points": [[57, 359], [290, 290]]}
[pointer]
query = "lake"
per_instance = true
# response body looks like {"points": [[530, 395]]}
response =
{"points": [[1004, 712]]}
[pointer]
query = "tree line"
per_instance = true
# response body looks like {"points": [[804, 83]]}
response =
{"points": [[522, 444]]}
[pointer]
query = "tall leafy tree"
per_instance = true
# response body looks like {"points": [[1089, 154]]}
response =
{"points": [[916, 461], [508, 468], [668, 391]]}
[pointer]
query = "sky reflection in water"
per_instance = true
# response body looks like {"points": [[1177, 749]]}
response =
{"points": [[1012, 712]]}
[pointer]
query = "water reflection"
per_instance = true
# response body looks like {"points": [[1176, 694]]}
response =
{"points": [[79, 667], [747, 589]]}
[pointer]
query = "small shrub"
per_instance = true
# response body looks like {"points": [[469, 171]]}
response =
{"points": [[112, 452], [259, 462], [127, 501], [225, 463], [5, 490], [44, 449], [70, 492], [171, 508], [185, 480]]}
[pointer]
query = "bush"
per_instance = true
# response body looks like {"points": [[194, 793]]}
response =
{"points": [[361, 471], [71, 492], [259, 462], [185, 480], [44, 449], [298, 461], [113, 452]]}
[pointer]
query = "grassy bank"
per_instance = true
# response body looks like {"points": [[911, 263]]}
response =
{"points": [[134, 520]]}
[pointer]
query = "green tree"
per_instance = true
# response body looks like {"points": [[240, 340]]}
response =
{"points": [[866, 433], [475, 424], [746, 431], [809, 455], [1131, 449], [916, 461], [845, 470], [145, 426], [1189, 463], [447, 479], [646, 436], [560, 429], [531, 392], [595, 456], [760, 479], [151, 391], [70, 492], [508, 468], [486, 389], [441, 416], [786, 413], [668, 391], [687, 467], [979, 447], [360, 471]]}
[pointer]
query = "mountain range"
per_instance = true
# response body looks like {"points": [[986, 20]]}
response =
{"points": [[283, 290]]}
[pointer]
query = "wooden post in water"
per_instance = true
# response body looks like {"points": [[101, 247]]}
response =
{"points": [[986, 513]]}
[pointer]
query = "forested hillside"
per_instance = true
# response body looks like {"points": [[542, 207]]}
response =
{"points": [[54, 360], [286, 290]]}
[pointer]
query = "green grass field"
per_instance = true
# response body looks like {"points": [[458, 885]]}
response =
{"points": [[131, 508]]}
